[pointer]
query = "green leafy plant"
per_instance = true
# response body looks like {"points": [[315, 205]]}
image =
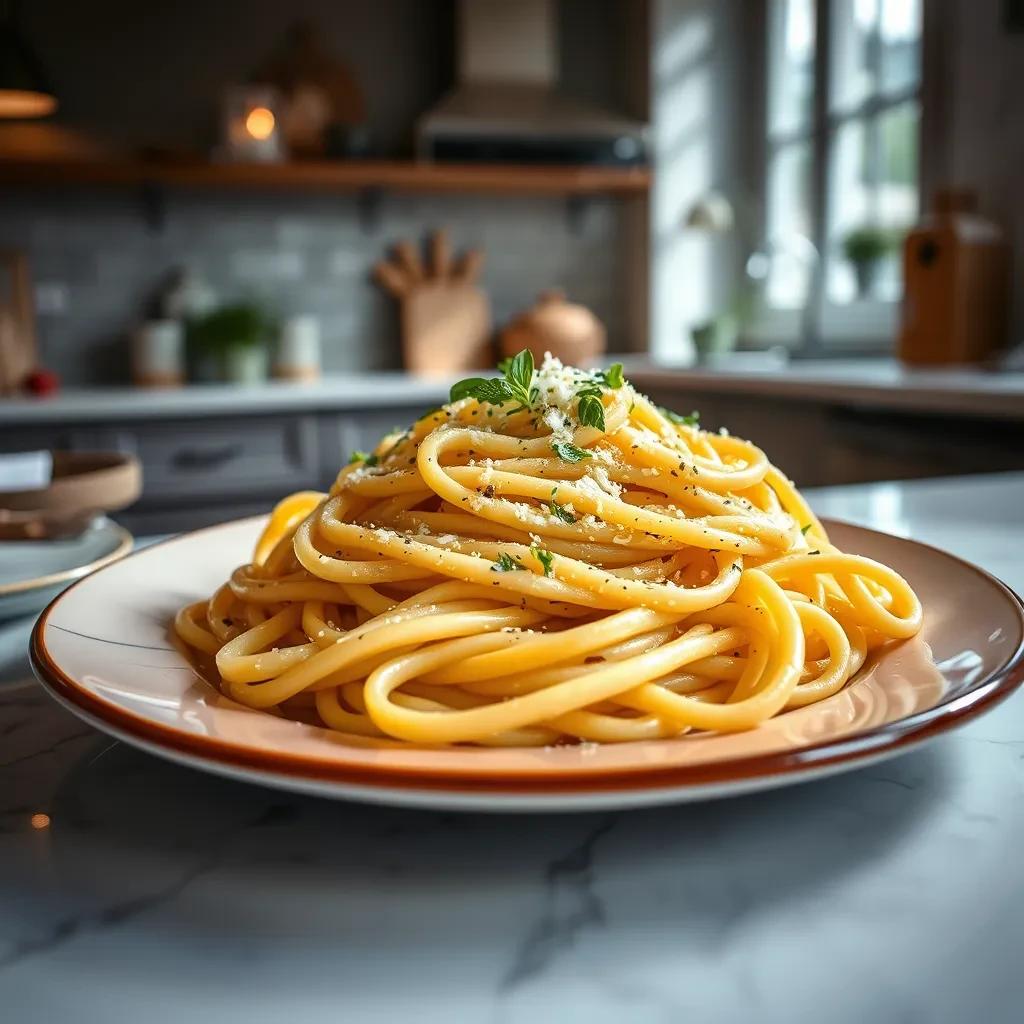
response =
{"points": [[241, 325], [869, 244]]}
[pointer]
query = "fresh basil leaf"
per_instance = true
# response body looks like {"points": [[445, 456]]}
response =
{"points": [[503, 365], [492, 390], [520, 371], [590, 412], [613, 376], [568, 452], [465, 388]]}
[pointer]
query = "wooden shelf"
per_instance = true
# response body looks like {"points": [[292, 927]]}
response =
{"points": [[326, 176]]}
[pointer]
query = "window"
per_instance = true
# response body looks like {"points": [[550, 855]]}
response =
{"points": [[842, 114]]}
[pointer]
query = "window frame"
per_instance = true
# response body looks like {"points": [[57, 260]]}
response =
{"points": [[824, 327]]}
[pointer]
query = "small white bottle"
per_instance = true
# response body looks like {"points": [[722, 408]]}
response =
{"points": [[298, 350], [158, 354]]}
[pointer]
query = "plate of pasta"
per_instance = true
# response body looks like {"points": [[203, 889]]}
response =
{"points": [[548, 594]]}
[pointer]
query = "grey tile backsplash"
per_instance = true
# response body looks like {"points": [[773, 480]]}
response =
{"points": [[96, 258]]}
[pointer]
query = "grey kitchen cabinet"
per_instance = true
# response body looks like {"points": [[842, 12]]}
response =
{"points": [[203, 470], [819, 444], [362, 430], [215, 458]]}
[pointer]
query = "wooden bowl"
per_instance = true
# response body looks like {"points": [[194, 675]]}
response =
{"points": [[83, 485]]}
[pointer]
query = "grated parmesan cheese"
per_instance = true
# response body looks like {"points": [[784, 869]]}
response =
{"points": [[600, 476]]}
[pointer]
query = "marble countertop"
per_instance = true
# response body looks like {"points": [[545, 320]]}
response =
{"points": [[157, 894], [875, 382]]}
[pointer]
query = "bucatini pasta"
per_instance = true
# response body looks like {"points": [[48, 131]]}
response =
{"points": [[548, 558]]}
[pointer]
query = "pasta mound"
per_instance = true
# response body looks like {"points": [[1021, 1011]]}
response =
{"points": [[549, 558]]}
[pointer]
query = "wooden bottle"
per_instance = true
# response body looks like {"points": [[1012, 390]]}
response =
{"points": [[955, 280]]}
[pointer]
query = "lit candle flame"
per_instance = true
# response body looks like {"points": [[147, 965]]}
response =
{"points": [[259, 123]]}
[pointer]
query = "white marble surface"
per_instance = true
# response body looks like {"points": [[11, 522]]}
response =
{"points": [[157, 894], [875, 382]]}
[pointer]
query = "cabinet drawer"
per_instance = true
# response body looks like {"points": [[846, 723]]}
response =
{"points": [[187, 459], [365, 429]]}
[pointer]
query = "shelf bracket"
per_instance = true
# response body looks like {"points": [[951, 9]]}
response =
{"points": [[368, 208]]}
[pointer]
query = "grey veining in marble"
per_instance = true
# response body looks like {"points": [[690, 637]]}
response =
{"points": [[894, 893]]}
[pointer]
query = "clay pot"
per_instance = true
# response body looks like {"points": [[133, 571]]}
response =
{"points": [[568, 331]]}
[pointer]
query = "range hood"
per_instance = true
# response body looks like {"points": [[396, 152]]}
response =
{"points": [[507, 106]]}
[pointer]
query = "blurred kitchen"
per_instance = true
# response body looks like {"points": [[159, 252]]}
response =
{"points": [[239, 240]]}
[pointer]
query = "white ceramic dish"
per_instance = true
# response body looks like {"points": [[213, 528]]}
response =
{"points": [[33, 572], [103, 648]]}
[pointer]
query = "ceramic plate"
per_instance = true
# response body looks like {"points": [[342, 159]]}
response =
{"points": [[33, 572], [104, 650]]}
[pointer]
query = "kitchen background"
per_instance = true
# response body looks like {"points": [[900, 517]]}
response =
{"points": [[152, 78], [723, 191]]}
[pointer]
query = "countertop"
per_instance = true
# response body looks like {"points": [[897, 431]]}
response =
{"points": [[333, 393], [873, 382], [158, 894], [883, 383]]}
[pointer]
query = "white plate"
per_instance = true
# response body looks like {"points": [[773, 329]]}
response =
{"points": [[104, 649], [33, 572]]}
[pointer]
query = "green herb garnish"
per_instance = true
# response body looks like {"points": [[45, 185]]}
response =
{"points": [[364, 457], [804, 529], [514, 386], [560, 511], [612, 377], [506, 563], [546, 558], [590, 408], [568, 452], [687, 421]]}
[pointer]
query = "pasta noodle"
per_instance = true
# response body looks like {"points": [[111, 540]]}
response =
{"points": [[549, 558]]}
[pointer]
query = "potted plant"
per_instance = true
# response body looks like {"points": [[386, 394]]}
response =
{"points": [[720, 333], [715, 336], [230, 344], [865, 248]]}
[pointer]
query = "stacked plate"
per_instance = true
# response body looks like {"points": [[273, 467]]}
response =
{"points": [[52, 530], [33, 572]]}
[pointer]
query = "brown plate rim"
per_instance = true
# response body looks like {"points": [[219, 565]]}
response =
{"points": [[888, 738]]}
